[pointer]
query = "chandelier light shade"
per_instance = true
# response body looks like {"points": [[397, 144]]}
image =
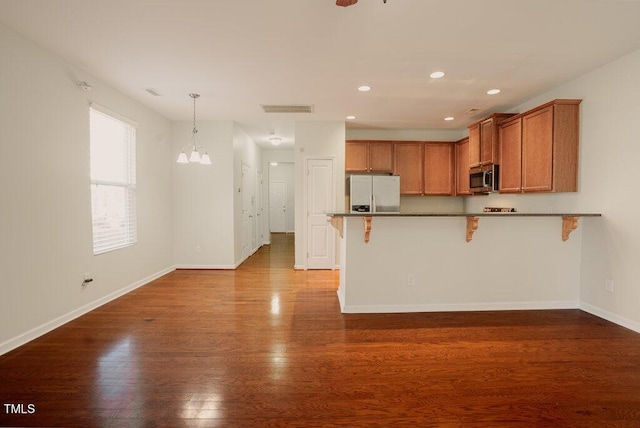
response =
{"points": [[193, 148]]}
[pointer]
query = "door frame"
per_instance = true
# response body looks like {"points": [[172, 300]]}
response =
{"points": [[305, 204], [259, 210], [285, 201], [250, 218]]}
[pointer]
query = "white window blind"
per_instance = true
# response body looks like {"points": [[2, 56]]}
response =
{"points": [[113, 182]]}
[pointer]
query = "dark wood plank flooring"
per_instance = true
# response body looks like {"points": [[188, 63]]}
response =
{"points": [[267, 346]]}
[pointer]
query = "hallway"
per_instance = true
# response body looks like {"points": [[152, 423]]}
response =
{"points": [[267, 346]]}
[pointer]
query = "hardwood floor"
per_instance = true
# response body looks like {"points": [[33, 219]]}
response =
{"points": [[267, 346]]}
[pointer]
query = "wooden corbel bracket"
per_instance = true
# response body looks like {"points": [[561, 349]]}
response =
{"points": [[337, 222], [472, 226], [569, 224], [367, 229]]}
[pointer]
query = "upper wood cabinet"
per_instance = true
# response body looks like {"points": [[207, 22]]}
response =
{"points": [[356, 156], [439, 169], [381, 156], [483, 140], [462, 167], [369, 156], [474, 145], [425, 168], [539, 149], [408, 164], [510, 137], [550, 147]]}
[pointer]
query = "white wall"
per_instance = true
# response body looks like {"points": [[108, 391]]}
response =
{"points": [[431, 204], [245, 152], [45, 232], [277, 156], [207, 199], [203, 198], [609, 173], [511, 263], [316, 139]]}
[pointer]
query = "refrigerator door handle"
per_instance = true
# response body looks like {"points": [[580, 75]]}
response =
{"points": [[373, 204]]}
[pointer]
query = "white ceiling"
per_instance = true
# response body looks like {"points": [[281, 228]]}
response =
{"points": [[239, 54]]}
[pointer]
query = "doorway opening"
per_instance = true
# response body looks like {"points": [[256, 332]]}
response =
{"points": [[281, 198]]}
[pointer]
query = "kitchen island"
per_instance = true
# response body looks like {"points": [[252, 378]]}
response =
{"points": [[424, 262]]}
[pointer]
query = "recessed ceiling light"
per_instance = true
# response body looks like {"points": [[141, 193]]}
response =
{"points": [[351, 117], [449, 118], [493, 91], [274, 164], [437, 74], [364, 88]]}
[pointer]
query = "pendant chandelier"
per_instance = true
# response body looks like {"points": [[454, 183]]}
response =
{"points": [[195, 156]]}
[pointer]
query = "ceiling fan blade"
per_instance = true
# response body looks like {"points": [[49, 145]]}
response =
{"points": [[346, 3]]}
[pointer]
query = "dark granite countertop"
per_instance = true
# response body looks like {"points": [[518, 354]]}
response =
{"points": [[460, 214]]}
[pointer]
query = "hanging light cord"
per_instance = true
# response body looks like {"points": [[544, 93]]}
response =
{"points": [[195, 130]]}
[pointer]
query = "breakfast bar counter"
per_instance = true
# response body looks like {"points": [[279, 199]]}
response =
{"points": [[422, 262], [569, 220]]}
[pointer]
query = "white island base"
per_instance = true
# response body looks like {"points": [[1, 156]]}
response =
{"points": [[424, 263]]}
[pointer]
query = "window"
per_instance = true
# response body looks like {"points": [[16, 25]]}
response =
{"points": [[113, 181]]}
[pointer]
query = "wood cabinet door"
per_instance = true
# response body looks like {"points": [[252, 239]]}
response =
{"points": [[510, 142], [439, 169], [487, 143], [474, 146], [408, 165], [381, 156], [462, 167], [356, 156], [566, 130], [537, 150]]}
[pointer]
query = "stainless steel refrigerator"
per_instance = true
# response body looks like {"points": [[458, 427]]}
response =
{"points": [[374, 193]]}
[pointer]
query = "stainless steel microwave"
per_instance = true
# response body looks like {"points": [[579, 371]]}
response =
{"points": [[484, 179]]}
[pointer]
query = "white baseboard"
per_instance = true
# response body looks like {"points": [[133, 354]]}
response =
{"points": [[238, 263], [341, 298], [299, 267], [610, 316], [455, 307], [63, 319]]}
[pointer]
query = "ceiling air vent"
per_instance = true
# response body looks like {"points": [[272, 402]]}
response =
{"points": [[287, 108], [472, 111], [153, 92]]}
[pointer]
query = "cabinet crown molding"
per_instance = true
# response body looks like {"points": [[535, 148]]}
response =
{"points": [[560, 101]]}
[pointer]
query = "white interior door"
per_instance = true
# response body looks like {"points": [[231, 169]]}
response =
{"points": [[259, 210], [277, 206], [320, 200], [246, 211]]}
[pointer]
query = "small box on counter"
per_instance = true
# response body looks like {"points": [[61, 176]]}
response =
{"points": [[499, 210]]}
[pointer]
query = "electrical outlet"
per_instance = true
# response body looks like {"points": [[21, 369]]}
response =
{"points": [[198, 249], [87, 279], [608, 285], [411, 279]]}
